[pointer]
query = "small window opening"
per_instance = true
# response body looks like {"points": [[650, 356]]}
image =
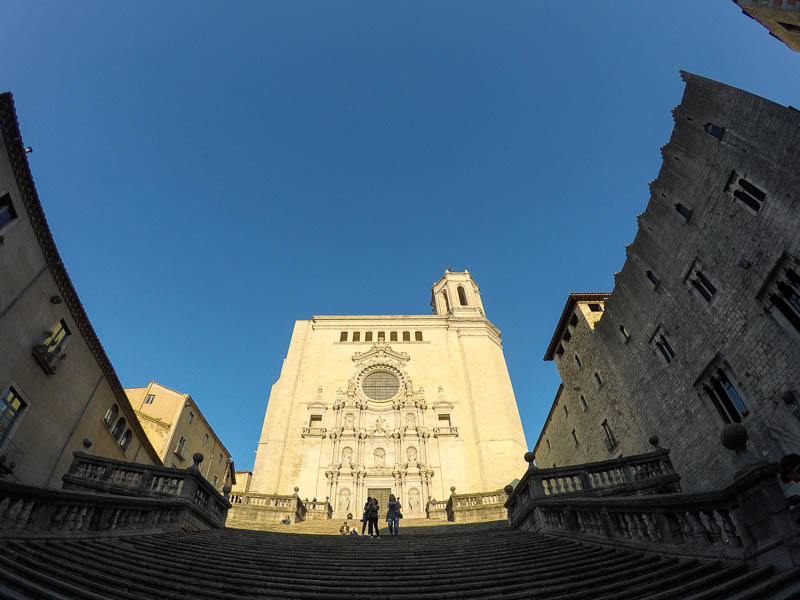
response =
{"points": [[596, 307], [578, 362], [652, 277], [446, 301], [191, 417], [560, 350], [566, 411], [714, 130], [382, 336], [181, 447], [7, 212], [150, 398], [567, 335], [787, 300], [11, 408], [703, 285], [118, 428], [406, 336], [548, 444], [686, 213], [664, 347], [393, 336], [125, 441], [343, 336], [444, 420], [597, 379], [789, 26], [368, 336], [574, 320], [418, 336], [747, 193], [584, 404], [462, 296], [356, 336], [575, 437], [608, 434], [315, 421], [725, 398], [624, 332]]}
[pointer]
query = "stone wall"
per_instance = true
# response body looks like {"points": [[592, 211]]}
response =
{"points": [[693, 294]]}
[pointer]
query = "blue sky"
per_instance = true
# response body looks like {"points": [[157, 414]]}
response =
{"points": [[214, 171]]}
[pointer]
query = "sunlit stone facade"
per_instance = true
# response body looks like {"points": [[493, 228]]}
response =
{"points": [[408, 404]]}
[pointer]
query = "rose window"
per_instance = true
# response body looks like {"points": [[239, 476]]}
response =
{"points": [[380, 386]]}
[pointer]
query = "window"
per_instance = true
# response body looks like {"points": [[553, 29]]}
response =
{"points": [[7, 212], [744, 191], [393, 336], [573, 320], [119, 427], [191, 417], [219, 460], [702, 284], [575, 437], [149, 399], [584, 404], [791, 27], [214, 482], [205, 439], [382, 336], [444, 420], [578, 362], [662, 345], [725, 398], [51, 351], [111, 415], [783, 292], [125, 440], [11, 407], [683, 211], [560, 350], [406, 336], [343, 336], [714, 130], [181, 447], [356, 336], [567, 335], [446, 301], [418, 336], [566, 412], [380, 386], [596, 307], [653, 279], [368, 336], [462, 296], [315, 421], [548, 444], [625, 335], [608, 434], [597, 379]]}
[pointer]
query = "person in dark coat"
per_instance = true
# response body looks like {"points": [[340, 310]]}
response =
{"points": [[365, 517], [373, 518]]}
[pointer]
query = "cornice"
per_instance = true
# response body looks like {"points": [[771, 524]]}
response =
{"points": [[572, 301], [18, 159]]}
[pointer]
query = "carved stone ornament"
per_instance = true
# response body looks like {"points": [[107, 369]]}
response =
{"points": [[380, 357]]}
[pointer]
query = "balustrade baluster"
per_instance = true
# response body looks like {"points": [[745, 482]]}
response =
{"points": [[730, 533], [714, 530], [630, 523], [650, 527], [699, 533], [24, 515]]}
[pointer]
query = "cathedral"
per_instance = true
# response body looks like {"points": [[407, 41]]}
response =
{"points": [[413, 405]]}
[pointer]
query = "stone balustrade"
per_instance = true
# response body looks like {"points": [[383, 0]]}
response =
{"points": [[437, 510], [97, 474], [25, 509], [314, 432], [640, 474], [265, 509], [749, 518], [482, 506], [318, 509]]}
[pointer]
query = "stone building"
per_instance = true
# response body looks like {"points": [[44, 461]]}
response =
{"points": [[703, 325], [177, 429], [409, 404], [780, 17], [57, 385]]}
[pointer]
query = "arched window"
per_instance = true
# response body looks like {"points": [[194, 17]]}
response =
{"points": [[111, 415], [118, 428], [125, 441], [446, 301], [462, 296]]}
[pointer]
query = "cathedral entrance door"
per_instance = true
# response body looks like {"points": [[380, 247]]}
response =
{"points": [[382, 496]]}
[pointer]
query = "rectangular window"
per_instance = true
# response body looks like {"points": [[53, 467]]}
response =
{"points": [[575, 437], [219, 460], [191, 417], [214, 482], [700, 282], [7, 212], [11, 408], [578, 362], [406, 336], [444, 420], [714, 130], [596, 307], [315, 421], [567, 335], [663, 346], [418, 336], [625, 335], [597, 379], [745, 192], [725, 397], [356, 336], [393, 336], [548, 444], [205, 439], [149, 399], [368, 336], [343, 336], [181, 447], [683, 211], [608, 434], [783, 293], [653, 279], [560, 350], [573, 320], [584, 404], [56, 339], [382, 336], [566, 412]]}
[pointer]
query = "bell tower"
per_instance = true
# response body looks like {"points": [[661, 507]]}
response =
{"points": [[456, 293]]}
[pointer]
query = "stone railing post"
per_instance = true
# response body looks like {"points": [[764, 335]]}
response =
{"points": [[190, 483]]}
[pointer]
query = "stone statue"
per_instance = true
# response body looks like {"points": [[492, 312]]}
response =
{"points": [[347, 455], [348, 421], [411, 453], [380, 457], [413, 500], [411, 421], [380, 423], [344, 500]]}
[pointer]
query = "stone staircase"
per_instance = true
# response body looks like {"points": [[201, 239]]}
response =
{"points": [[485, 560]]}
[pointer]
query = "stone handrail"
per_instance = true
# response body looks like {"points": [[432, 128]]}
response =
{"points": [[437, 509], [108, 476], [277, 505], [643, 473], [314, 432], [749, 518], [26, 510], [439, 431], [478, 506], [318, 509]]}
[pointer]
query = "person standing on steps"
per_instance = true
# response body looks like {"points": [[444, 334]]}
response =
{"points": [[393, 516], [373, 518], [365, 517]]}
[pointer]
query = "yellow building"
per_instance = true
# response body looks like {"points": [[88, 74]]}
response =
{"points": [[405, 404], [57, 385], [177, 429]]}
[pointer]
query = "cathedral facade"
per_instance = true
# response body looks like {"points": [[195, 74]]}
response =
{"points": [[405, 404]]}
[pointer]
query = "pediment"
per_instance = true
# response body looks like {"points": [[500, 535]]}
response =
{"points": [[442, 405], [381, 351]]}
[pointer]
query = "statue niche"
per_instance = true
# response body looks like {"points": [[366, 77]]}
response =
{"points": [[347, 455], [380, 457], [344, 500], [411, 454]]}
